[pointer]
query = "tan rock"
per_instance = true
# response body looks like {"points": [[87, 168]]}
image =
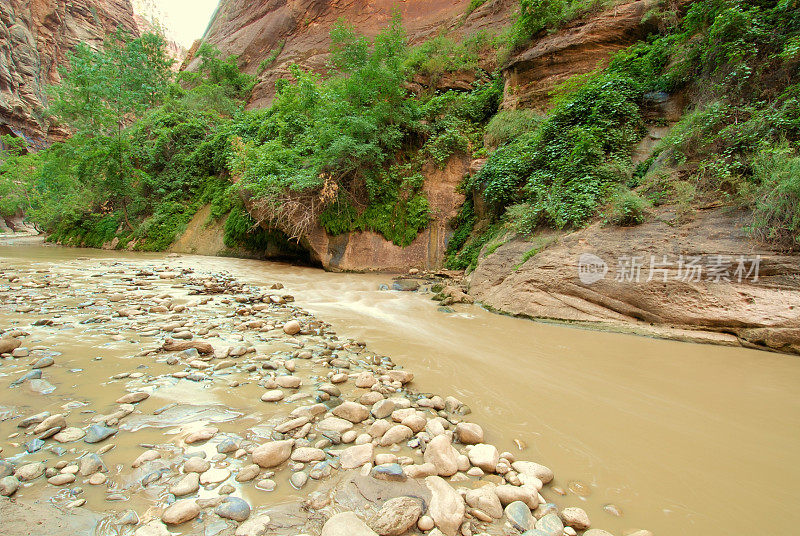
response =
{"points": [[180, 512], [273, 454], [356, 456], [446, 506], [442, 455]]}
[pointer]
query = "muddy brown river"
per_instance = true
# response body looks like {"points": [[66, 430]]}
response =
{"points": [[680, 438]]}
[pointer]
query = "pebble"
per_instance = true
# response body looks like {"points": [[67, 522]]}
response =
{"points": [[346, 524], [214, 476], [180, 512], [44, 362], [233, 508], [188, 484], [519, 516], [575, 518], [298, 479], [248, 473], [273, 454], [446, 507], [92, 463], [97, 433], [356, 456], [273, 396], [266, 484], [195, 464], [396, 516], [8, 486], [69, 434]]}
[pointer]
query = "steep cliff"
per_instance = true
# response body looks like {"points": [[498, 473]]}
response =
{"points": [[35, 37], [284, 32]]}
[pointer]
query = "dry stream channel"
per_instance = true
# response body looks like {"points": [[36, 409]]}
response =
{"points": [[671, 437]]}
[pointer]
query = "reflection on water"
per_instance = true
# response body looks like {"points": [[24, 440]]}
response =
{"points": [[682, 438]]}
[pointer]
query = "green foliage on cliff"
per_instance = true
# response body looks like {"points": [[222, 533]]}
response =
{"points": [[16, 168], [147, 151], [738, 60], [348, 151]]}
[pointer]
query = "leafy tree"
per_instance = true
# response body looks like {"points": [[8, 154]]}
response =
{"points": [[101, 92]]}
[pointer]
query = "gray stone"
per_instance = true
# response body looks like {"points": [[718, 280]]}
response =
{"points": [[233, 508], [392, 472], [551, 525], [91, 464], [43, 363], [6, 468], [97, 433], [519, 516]]}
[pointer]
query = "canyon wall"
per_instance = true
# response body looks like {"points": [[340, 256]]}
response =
{"points": [[298, 31], [35, 38]]}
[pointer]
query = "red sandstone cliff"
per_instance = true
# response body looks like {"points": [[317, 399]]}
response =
{"points": [[35, 37], [300, 29]]}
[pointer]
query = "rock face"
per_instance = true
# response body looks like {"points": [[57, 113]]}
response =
{"points": [[35, 38], [750, 312], [579, 48], [299, 31], [367, 250]]}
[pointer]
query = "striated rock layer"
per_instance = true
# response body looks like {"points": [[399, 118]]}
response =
{"points": [[761, 313], [35, 37]]}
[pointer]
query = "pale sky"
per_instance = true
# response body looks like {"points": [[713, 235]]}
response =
{"points": [[185, 20]]}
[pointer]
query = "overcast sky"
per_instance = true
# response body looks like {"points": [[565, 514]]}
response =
{"points": [[186, 20]]}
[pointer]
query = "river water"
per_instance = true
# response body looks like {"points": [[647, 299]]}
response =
{"points": [[681, 438]]}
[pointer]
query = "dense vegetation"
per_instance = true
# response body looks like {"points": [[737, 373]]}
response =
{"points": [[346, 152], [736, 61], [349, 151]]}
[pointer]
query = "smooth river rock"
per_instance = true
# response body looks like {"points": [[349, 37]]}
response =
{"points": [[273, 454], [446, 507], [190, 483], [180, 512], [519, 516], [233, 508], [442, 455], [346, 524], [97, 433]]}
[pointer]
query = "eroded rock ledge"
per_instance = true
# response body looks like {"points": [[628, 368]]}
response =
{"points": [[763, 313]]}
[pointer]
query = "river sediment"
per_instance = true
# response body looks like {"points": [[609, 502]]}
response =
{"points": [[639, 432], [116, 371]]}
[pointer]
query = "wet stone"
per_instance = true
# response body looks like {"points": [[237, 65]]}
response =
{"points": [[233, 508], [97, 433], [391, 472], [298, 480], [44, 362]]}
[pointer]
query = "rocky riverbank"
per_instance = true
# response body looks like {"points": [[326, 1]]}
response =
{"points": [[141, 398]]}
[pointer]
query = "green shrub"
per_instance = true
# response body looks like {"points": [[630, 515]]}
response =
{"points": [[522, 218], [508, 125], [776, 208], [565, 167], [627, 208], [537, 15], [466, 258]]}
